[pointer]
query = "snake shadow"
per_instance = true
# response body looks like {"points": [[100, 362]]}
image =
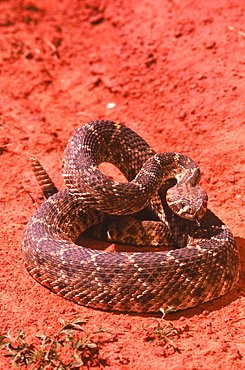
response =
{"points": [[218, 303]]}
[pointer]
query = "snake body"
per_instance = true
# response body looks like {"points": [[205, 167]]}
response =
{"points": [[204, 266]]}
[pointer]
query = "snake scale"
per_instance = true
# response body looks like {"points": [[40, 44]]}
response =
{"points": [[201, 265]]}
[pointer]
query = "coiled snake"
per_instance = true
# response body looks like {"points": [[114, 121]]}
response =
{"points": [[202, 264]]}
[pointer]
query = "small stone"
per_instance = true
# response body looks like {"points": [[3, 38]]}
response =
{"points": [[182, 115], [127, 325], [111, 105], [202, 77], [210, 44], [205, 312], [96, 19]]}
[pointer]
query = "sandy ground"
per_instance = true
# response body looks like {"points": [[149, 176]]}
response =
{"points": [[175, 73]]}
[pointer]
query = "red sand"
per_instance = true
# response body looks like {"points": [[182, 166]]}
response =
{"points": [[175, 71]]}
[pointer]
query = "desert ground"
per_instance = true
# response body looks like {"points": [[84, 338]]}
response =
{"points": [[174, 72]]}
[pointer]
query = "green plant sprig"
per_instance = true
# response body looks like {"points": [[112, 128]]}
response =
{"points": [[51, 350], [163, 332]]}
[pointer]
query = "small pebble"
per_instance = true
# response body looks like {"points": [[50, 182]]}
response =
{"points": [[111, 105], [182, 115], [210, 44], [205, 312]]}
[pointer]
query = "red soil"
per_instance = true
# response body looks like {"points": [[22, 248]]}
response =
{"points": [[175, 71]]}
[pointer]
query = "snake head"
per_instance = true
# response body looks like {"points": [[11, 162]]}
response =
{"points": [[187, 201]]}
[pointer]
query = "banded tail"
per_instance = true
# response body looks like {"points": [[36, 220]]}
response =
{"points": [[44, 181]]}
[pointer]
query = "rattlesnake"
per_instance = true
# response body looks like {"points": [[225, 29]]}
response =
{"points": [[202, 264]]}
